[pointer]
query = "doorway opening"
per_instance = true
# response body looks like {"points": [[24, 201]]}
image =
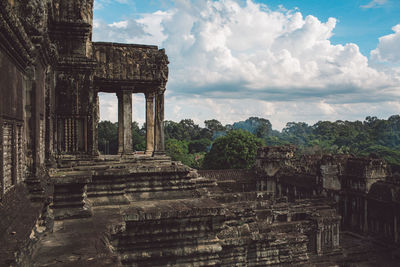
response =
{"points": [[138, 123], [108, 124]]}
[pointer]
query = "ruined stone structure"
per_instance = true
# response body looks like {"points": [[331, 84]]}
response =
{"points": [[63, 204], [51, 76], [365, 191]]}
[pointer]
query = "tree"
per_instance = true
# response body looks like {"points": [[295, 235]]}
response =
{"points": [[258, 126], [236, 150], [184, 130], [214, 125], [108, 137], [176, 149], [138, 137], [201, 145], [298, 133]]}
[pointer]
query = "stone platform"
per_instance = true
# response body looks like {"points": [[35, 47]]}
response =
{"points": [[135, 234]]}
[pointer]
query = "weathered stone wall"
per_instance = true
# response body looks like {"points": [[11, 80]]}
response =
{"points": [[346, 179], [383, 215], [171, 233], [232, 180], [12, 63], [25, 55]]}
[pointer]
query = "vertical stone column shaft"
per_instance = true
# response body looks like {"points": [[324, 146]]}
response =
{"points": [[93, 123], [124, 122], [149, 124], [365, 225], [319, 241], [1, 154], [159, 124], [395, 229], [35, 124]]}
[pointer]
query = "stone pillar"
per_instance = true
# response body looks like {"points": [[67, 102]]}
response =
{"points": [[90, 131], [365, 228], [159, 124], [318, 241], [149, 123], [124, 122], [1, 153], [395, 230]]}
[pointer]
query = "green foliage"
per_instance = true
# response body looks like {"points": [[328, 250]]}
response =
{"points": [[188, 142], [391, 156], [201, 145], [236, 150], [177, 149], [258, 126], [214, 125], [108, 137], [213, 129], [138, 137], [297, 133], [184, 130]]}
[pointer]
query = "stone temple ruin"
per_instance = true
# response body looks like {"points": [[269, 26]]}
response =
{"points": [[63, 204]]}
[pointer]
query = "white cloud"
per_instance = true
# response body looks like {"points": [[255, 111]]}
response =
{"points": [[231, 61], [100, 4], [145, 30], [120, 24], [374, 3], [119, 31], [388, 47]]}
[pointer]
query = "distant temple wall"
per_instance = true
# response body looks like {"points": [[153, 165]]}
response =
{"points": [[358, 186]]}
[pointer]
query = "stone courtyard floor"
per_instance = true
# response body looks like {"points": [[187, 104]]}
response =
{"points": [[80, 242]]}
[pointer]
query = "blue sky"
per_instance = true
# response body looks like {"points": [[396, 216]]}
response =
{"points": [[285, 61], [356, 23]]}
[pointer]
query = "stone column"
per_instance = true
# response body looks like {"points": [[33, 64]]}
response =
{"points": [[1, 152], [395, 230], [90, 125], [124, 122], [159, 124], [149, 123], [365, 228], [318, 241]]}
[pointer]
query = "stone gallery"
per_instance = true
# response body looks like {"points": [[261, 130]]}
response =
{"points": [[63, 204]]}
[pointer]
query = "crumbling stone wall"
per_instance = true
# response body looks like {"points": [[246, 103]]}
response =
{"points": [[232, 180], [346, 179]]}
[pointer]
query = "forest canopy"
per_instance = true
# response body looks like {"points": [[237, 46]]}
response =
{"points": [[223, 146]]}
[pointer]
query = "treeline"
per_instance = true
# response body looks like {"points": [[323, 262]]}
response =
{"points": [[218, 146]]}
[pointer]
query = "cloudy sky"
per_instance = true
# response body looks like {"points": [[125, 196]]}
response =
{"points": [[288, 60]]}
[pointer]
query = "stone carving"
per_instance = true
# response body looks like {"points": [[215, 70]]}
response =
{"points": [[130, 63], [35, 16]]}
